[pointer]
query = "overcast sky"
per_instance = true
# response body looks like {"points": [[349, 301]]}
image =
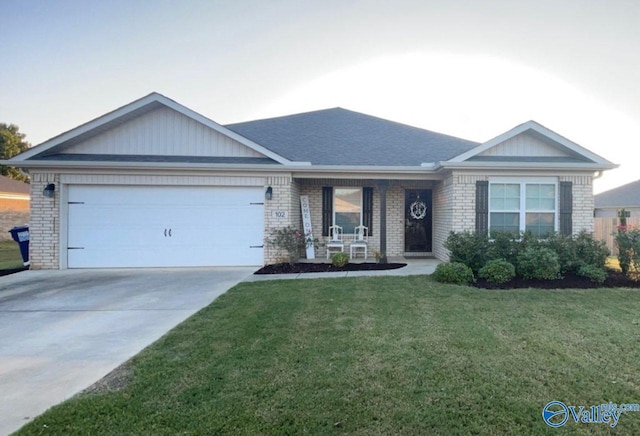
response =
{"points": [[472, 69]]}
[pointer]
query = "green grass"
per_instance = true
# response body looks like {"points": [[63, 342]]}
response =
{"points": [[10, 255], [372, 356]]}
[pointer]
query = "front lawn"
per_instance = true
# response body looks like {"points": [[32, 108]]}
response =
{"points": [[10, 257], [383, 355]]}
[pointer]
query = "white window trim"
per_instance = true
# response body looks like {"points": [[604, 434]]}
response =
{"points": [[522, 211], [333, 218]]}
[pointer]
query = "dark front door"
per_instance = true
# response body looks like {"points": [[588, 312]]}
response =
{"points": [[417, 221]]}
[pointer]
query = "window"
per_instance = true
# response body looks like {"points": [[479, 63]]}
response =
{"points": [[347, 209], [522, 206]]}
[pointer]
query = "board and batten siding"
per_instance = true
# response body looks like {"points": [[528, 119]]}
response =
{"points": [[524, 145], [163, 132]]}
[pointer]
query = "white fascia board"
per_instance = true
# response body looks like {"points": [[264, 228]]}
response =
{"points": [[529, 165], [303, 167], [136, 105], [540, 129]]}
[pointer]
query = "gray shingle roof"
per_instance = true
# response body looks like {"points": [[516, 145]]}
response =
{"points": [[342, 137], [623, 196], [13, 186]]}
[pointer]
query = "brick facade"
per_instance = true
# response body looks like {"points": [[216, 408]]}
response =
{"points": [[583, 202], [44, 226], [285, 198], [453, 209]]}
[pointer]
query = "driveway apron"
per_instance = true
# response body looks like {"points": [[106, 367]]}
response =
{"points": [[61, 331]]}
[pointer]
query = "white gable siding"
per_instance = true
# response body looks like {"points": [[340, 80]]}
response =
{"points": [[163, 132], [524, 145]]}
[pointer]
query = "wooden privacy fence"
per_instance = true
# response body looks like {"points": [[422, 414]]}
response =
{"points": [[605, 229]]}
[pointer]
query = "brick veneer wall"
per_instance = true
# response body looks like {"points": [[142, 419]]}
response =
{"points": [[44, 226], [583, 202], [286, 198]]}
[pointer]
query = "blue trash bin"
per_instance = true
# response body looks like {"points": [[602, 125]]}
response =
{"points": [[20, 234]]}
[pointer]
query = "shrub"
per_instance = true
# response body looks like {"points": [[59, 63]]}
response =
{"points": [[468, 248], [339, 259], [497, 271], [504, 245], [590, 251], [565, 248], [453, 272], [291, 241], [593, 273], [538, 263]]}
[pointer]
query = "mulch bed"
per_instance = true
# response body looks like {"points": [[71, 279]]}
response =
{"points": [[614, 280], [296, 268]]}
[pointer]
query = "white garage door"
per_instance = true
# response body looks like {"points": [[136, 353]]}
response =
{"points": [[164, 226]]}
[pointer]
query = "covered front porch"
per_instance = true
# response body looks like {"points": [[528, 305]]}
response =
{"points": [[401, 216]]}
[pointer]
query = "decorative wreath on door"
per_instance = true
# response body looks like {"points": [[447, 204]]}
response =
{"points": [[418, 209]]}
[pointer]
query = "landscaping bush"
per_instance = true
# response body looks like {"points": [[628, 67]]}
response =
{"points": [[468, 248], [565, 248], [539, 264], [593, 273], [453, 272], [497, 271], [504, 245], [339, 259], [590, 251], [291, 241]]}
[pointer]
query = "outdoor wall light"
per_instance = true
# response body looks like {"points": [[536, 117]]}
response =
{"points": [[268, 194], [49, 190]]}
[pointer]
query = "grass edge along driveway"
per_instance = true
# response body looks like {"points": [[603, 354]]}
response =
{"points": [[383, 355]]}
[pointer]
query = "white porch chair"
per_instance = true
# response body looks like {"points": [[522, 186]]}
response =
{"points": [[335, 243], [360, 242]]}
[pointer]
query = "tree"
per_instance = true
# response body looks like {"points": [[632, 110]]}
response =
{"points": [[11, 143]]}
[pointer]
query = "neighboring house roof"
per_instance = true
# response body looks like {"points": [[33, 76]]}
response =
{"points": [[342, 137], [13, 188], [623, 196]]}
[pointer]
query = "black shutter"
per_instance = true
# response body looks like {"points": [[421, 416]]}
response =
{"points": [[367, 209], [566, 208], [327, 209], [482, 206]]}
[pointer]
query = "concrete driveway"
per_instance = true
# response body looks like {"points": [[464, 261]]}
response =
{"points": [[61, 331]]}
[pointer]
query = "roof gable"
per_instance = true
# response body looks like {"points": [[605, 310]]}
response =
{"points": [[532, 143], [153, 125]]}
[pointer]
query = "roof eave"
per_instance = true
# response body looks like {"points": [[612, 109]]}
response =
{"points": [[572, 166]]}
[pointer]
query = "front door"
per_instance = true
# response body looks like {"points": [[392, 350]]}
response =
{"points": [[417, 221]]}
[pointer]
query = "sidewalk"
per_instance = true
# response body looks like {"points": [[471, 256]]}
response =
{"points": [[414, 267]]}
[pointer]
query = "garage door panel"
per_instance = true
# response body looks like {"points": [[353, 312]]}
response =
{"points": [[149, 226]]}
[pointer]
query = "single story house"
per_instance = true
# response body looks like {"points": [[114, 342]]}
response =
{"points": [[609, 204], [155, 184], [14, 205]]}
